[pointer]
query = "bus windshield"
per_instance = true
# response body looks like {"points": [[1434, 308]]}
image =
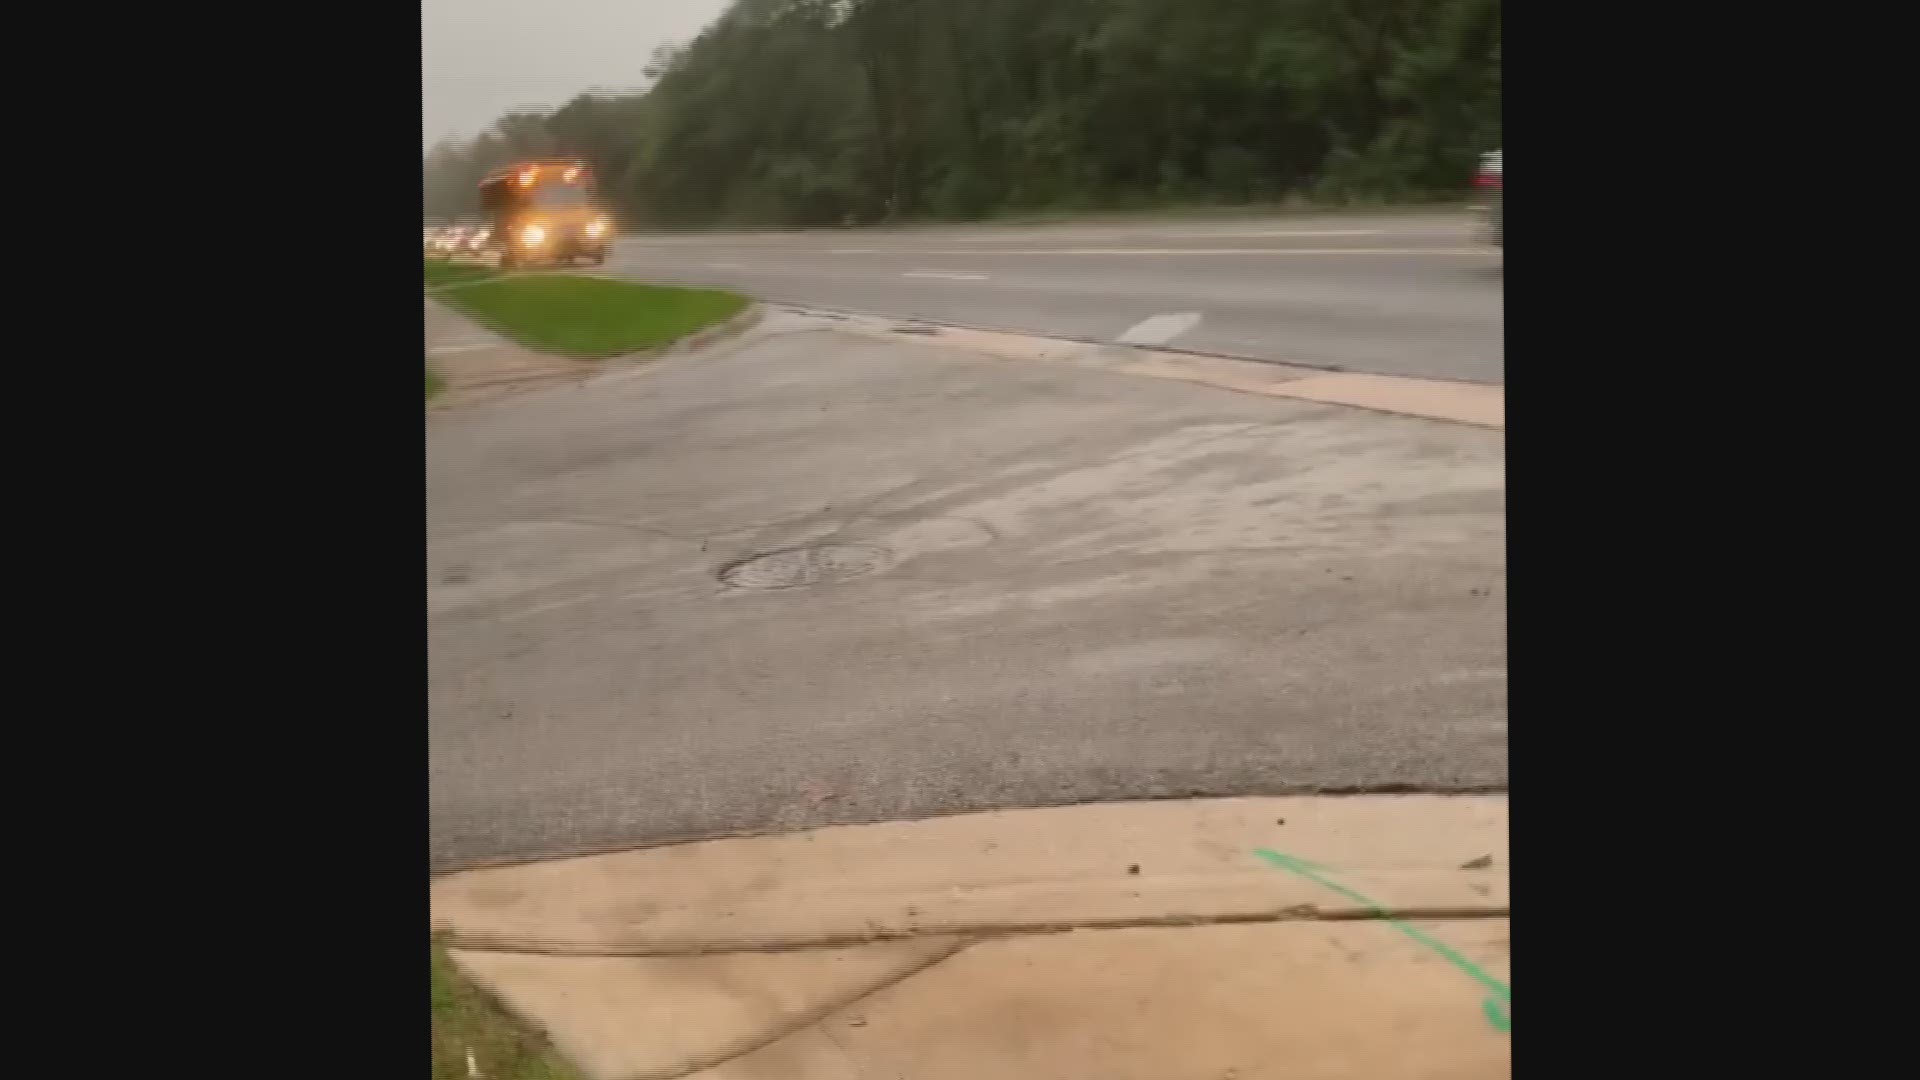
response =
{"points": [[558, 196]]}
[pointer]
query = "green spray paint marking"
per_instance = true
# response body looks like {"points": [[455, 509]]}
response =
{"points": [[1498, 1005]]}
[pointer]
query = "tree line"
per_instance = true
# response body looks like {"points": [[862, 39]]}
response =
{"points": [[817, 112]]}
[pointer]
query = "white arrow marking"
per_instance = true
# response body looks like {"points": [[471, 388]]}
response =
{"points": [[1160, 329]]}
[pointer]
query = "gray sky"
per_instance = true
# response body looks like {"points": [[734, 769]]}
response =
{"points": [[481, 58]]}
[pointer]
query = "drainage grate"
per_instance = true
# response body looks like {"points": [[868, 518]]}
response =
{"points": [[799, 567]]}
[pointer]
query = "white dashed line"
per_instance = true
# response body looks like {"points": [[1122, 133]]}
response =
{"points": [[1160, 329], [945, 275], [470, 346]]}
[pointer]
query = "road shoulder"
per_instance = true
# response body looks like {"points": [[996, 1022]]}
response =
{"points": [[1474, 404]]}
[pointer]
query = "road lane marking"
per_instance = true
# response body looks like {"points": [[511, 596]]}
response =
{"points": [[1160, 329], [945, 275]]}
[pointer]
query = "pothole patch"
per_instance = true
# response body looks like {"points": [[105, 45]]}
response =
{"points": [[797, 568]]}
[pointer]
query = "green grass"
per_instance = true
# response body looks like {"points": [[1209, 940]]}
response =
{"points": [[466, 1019], [435, 383], [445, 272], [590, 318]]}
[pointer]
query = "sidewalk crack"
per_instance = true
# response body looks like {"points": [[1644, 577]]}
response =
{"points": [[970, 932], [800, 1022]]}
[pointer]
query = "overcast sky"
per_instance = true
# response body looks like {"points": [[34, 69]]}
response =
{"points": [[481, 58]]}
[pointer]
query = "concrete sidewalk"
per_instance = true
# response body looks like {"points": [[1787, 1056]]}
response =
{"points": [[1303, 937], [479, 365]]}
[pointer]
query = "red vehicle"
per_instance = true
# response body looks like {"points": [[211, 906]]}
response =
{"points": [[1487, 180]]}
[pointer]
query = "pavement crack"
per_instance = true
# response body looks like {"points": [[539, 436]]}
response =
{"points": [[799, 1021], [966, 931], [648, 530]]}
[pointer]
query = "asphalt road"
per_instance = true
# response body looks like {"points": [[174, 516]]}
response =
{"points": [[810, 577], [1401, 294]]}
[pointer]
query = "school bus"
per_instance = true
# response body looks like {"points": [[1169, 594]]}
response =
{"points": [[545, 213]]}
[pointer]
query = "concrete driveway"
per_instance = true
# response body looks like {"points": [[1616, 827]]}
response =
{"points": [[811, 578]]}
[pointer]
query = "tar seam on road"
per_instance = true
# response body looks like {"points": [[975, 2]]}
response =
{"points": [[1498, 1006]]}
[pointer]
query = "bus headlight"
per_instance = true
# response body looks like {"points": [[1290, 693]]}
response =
{"points": [[533, 235], [597, 228]]}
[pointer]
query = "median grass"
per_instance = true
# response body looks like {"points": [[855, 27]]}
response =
{"points": [[590, 318], [447, 272], [467, 1021]]}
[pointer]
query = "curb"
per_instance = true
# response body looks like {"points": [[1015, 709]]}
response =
{"points": [[748, 318], [1106, 865], [1304, 367], [1452, 401], [531, 369]]}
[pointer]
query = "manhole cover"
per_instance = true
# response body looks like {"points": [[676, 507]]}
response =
{"points": [[797, 567]]}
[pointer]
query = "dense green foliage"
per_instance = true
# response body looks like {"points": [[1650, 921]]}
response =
{"points": [[800, 112]]}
